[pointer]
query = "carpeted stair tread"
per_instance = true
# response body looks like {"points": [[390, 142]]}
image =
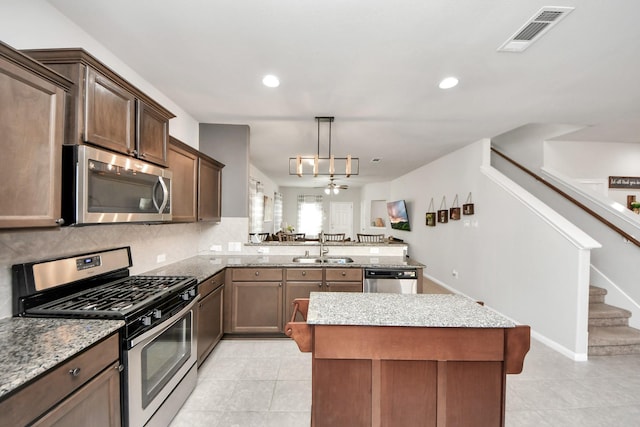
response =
{"points": [[596, 294], [601, 310], [613, 335]]}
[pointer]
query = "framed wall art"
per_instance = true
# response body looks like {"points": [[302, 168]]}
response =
{"points": [[443, 213], [430, 216], [454, 211]]}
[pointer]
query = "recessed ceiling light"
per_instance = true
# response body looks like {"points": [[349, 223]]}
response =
{"points": [[448, 83], [270, 81]]}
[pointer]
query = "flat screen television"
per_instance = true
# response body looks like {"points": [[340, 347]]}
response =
{"points": [[398, 216]]}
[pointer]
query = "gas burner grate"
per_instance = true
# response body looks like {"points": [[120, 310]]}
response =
{"points": [[118, 297]]}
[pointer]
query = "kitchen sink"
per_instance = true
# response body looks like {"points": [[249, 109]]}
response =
{"points": [[322, 260], [307, 260], [337, 260]]}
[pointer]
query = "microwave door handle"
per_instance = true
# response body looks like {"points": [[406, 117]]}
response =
{"points": [[165, 194], [153, 194]]}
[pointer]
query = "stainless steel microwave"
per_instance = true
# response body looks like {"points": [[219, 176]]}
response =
{"points": [[101, 187]]}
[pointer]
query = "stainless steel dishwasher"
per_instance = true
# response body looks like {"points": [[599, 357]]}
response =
{"points": [[391, 280]]}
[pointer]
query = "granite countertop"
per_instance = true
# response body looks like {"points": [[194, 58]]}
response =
{"points": [[204, 266], [32, 346], [421, 310]]}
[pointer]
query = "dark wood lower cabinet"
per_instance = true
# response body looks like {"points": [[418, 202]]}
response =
{"points": [[210, 309], [257, 307], [95, 404]]}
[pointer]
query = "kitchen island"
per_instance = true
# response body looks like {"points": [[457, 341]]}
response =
{"points": [[407, 360]]}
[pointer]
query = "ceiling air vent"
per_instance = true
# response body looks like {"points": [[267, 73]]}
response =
{"points": [[539, 24]]}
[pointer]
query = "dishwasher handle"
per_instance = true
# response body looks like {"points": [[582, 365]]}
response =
{"points": [[390, 273]]}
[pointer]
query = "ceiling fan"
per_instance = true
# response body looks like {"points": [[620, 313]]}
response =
{"points": [[334, 188]]}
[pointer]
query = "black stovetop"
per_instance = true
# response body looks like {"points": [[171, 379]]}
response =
{"points": [[115, 299]]}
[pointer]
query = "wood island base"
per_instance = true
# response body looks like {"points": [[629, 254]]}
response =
{"points": [[409, 376]]}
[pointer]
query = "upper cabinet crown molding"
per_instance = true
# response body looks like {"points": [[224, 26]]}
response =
{"points": [[79, 55], [106, 110]]}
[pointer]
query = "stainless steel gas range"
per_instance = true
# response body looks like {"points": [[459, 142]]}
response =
{"points": [[158, 341]]}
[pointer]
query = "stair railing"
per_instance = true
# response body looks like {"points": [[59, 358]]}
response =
{"points": [[571, 199]]}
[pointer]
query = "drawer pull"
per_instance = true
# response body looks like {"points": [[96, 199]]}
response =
{"points": [[344, 273], [304, 273], [74, 372], [257, 273]]}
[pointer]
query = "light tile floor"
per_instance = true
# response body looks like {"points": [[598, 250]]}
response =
{"points": [[266, 383]]}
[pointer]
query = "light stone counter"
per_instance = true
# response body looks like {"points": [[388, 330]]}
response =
{"points": [[422, 310], [31, 346], [205, 266]]}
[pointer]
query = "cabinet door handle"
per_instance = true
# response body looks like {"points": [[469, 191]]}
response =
{"points": [[74, 372], [319, 285], [280, 284], [60, 221]]}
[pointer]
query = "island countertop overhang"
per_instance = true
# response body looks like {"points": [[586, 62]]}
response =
{"points": [[421, 310]]}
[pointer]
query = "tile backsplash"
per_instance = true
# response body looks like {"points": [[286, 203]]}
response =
{"points": [[147, 242]]}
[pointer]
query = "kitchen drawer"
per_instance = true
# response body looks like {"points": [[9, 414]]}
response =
{"points": [[342, 274], [51, 388], [303, 274], [251, 274], [209, 285]]}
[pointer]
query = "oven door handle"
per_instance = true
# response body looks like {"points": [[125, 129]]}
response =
{"points": [[158, 329], [165, 195]]}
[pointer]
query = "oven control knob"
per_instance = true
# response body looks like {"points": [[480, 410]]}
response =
{"points": [[146, 320], [185, 296], [157, 313], [192, 292]]}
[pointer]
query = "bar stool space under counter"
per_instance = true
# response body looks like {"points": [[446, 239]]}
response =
{"points": [[407, 360]]}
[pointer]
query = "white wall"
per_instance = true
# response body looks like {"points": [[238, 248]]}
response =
{"points": [[525, 142], [510, 253], [595, 160], [31, 24]]}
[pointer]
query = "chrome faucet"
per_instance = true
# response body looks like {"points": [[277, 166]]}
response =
{"points": [[323, 250]]}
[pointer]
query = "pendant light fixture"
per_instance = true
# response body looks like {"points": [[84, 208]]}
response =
{"points": [[330, 165]]}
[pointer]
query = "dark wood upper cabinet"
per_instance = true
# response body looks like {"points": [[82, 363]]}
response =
{"points": [[209, 189], [183, 163], [106, 110], [152, 134], [32, 101], [110, 114]]}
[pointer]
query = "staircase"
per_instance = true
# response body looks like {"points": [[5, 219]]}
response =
{"points": [[609, 330]]}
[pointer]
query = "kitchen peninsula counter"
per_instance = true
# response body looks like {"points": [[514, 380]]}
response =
{"points": [[419, 360], [205, 266]]}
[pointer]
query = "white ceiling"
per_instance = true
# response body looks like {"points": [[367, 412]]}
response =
{"points": [[375, 65]]}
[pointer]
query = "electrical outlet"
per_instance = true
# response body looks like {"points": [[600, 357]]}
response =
{"points": [[235, 246], [374, 250], [161, 258], [454, 273], [263, 250], [216, 248]]}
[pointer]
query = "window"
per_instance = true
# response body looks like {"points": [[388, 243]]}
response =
{"points": [[256, 206], [309, 215], [277, 211]]}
